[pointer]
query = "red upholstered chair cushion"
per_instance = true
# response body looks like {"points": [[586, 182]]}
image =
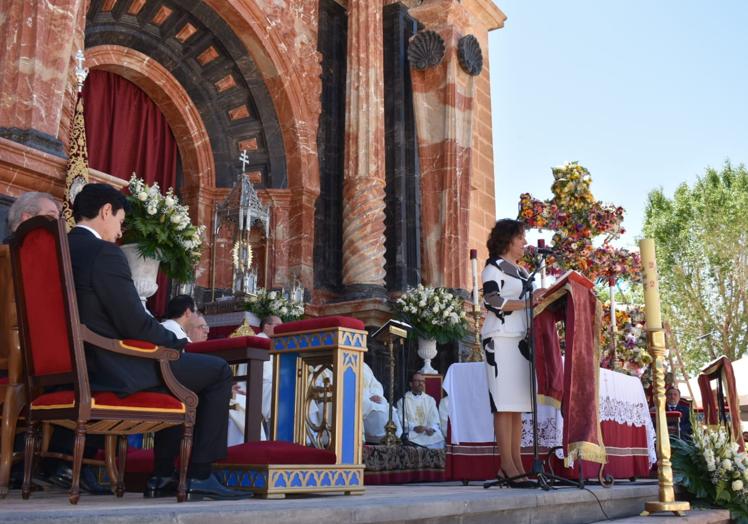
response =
{"points": [[319, 323], [138, 345], [277, 452], [4, 380], [210, 346], [47, 323], [144, 400]]}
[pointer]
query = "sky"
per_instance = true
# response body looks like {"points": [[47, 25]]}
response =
{"points": [[645, 94]]}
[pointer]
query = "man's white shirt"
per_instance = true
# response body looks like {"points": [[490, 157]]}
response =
{"points": [[173, 326]]}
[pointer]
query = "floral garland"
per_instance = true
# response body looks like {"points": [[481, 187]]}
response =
{"points": [[434, 313], [162, 228], [241, 263], [265, 303], [576, 218], [713, 468], [631, 356]]}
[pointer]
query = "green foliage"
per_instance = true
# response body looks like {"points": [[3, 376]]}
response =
{"points": [[434, 313], [702, 256], [162, 229]]}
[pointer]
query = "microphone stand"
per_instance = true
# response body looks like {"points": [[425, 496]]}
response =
{"points": [[545, 480]]}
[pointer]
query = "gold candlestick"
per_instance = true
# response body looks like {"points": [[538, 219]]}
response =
{"points": [[390, 429], [656, 342], [476, 353]]}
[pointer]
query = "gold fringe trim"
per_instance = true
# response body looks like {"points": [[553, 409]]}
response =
{"points": [[549, 401], [585, 451]]}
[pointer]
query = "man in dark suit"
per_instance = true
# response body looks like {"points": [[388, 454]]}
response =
{"points": [[672, 397], [109, 305]]}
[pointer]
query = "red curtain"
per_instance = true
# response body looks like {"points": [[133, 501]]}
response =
{"points": [[126, 132]]}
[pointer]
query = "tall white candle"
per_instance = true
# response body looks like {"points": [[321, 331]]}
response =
{"points": [[474, 264], [652, 313]]}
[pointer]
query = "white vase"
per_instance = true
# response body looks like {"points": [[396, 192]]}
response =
{"points": [[427, 351], [144, 272]]}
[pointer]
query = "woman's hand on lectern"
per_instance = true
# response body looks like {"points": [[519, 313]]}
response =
{"points": [[537, 296]]}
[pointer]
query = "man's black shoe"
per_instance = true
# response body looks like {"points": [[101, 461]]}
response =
{"points": [[63, 477], [211, 488], [157, 487]]}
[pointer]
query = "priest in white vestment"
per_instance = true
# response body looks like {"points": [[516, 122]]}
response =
{"points": [[239, 402], [375, 409], [421, 417]]}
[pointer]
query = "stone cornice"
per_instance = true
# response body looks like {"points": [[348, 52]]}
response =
{"points": [[30, 169], [487, 12]]}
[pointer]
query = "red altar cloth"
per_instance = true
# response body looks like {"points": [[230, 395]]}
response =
{"points": [[626, 448]]}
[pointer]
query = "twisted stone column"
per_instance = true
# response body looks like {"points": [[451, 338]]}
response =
{"points": [[364, 179], [38, 38]]}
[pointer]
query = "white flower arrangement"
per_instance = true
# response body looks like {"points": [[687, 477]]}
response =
{"points": [[162, 228], [713, 468], [434, 313], [265, 303]]}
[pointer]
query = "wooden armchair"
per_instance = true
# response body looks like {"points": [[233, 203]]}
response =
{"points": [[57, 385], [11, 385]]}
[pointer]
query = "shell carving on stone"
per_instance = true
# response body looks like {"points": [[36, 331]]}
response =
{"points": [[426, 49], [470, 55]]}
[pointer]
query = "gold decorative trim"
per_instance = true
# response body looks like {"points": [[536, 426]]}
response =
{"points": [[77, 168]]}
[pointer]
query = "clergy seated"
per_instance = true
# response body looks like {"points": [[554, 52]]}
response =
{"points": [[375, 409], [238, 402], [420, 417]]}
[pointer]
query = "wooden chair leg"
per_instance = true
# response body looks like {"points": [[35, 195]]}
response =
{"points": [[110, 451], [185, 452], [11, 409], [121, 465], [80, 442], [28, 458]]}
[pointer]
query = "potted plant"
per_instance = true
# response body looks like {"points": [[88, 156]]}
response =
{"points": [[158, 231], [437, 315]]}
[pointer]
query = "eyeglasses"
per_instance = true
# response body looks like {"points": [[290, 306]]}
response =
{"points": [[204, 326]]}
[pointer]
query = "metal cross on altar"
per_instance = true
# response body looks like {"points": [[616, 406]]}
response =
{"points": [[80, 72], [244, 159]]}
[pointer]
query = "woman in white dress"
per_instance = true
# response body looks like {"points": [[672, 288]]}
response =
{"points": [[503, 339]]}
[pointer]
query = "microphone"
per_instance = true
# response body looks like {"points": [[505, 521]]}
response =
{"points": [[541, 250]]}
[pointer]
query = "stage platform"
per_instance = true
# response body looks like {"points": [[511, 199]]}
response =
{"points": [[433, 503]]}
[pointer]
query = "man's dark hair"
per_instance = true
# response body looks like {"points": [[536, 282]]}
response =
{"points": [[179, 305], [413, 374], [93, 197]]}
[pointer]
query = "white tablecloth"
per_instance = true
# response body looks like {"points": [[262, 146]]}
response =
{"points": [[622, 400]]}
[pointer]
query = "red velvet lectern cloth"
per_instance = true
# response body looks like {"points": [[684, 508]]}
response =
{"points": [[571, 384], [721, 369]]}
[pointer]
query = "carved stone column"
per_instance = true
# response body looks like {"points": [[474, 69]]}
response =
{"points": [[446, 63], [364, 180], [39, 40]]}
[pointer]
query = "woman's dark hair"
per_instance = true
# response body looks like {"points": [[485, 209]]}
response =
{"points": [[502, 234], [95, 196]]}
